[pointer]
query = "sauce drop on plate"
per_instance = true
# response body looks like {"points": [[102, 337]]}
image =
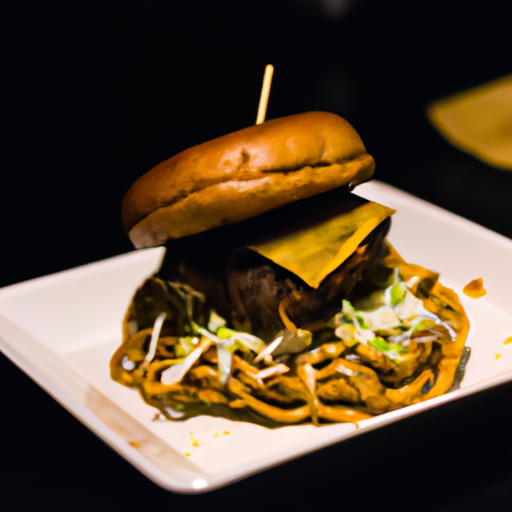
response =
{"points": [[475, 289]]}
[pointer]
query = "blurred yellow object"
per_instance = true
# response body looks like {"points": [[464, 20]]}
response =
{"points": [[479, 121]]}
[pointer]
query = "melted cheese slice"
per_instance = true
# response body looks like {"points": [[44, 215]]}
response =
{"points": [[314, 248]]}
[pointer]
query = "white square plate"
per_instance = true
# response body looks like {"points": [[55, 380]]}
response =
{"points": [[62, 330]]}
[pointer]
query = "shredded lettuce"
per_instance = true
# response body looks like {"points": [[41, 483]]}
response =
{"points": [[176, 372], [395, 293], [399, 318], [185, 345], [228, 341], [225, 357], [157, 327], [215, 322]]}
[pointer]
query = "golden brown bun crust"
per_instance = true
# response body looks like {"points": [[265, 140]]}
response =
{"points": [[243, 174]]}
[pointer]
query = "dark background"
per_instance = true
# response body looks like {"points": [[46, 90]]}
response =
{"points": [[94, 94]]}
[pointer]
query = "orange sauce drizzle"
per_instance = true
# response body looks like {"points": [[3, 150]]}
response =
{"points": [[475, 289]]}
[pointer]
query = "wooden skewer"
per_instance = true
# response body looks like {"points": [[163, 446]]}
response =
{"points": [[265, 91]]}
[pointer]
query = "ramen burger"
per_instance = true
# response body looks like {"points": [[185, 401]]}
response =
{"points": [[279, 299]]}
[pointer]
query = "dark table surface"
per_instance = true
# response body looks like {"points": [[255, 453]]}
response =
{"points": [[96, 93]]}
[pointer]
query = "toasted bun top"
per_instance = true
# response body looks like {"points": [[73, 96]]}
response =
{"points": [[243, 174]]}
